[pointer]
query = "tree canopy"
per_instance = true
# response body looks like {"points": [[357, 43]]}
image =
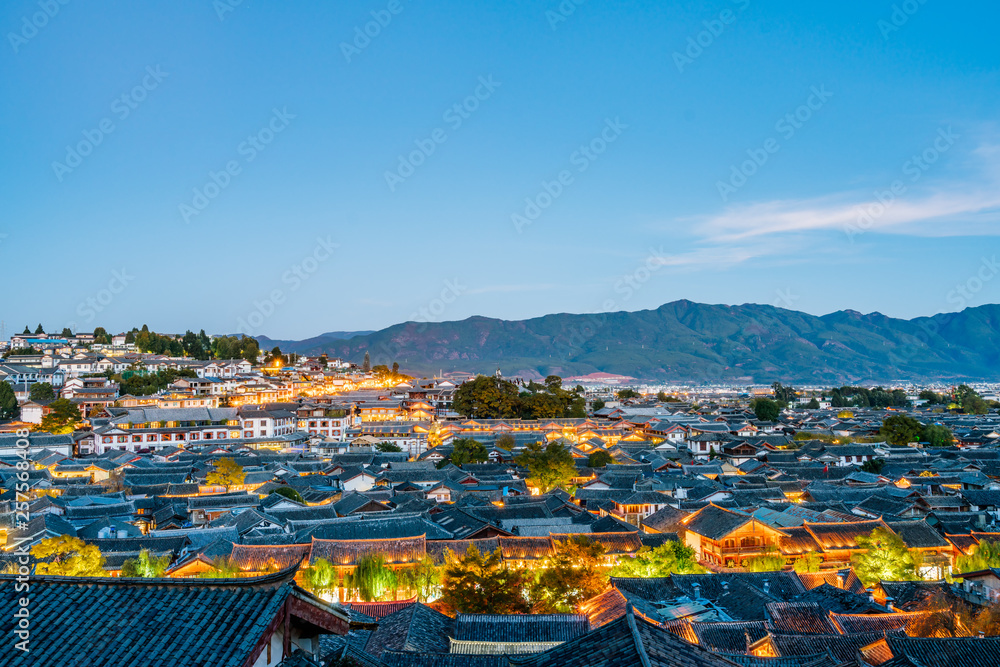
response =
{"points": [[67, 556], [886, 558], [476, 584], [549, 466], [63, 417], [672, 557], [41, 391], [146, 566], [901, 430], [574, 573], [765, 409], [290, 493], [468, 450], [8, 401], [226, 472], [372, 578]]}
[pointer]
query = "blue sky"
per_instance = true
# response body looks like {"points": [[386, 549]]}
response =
{"points": [[268, 169]]}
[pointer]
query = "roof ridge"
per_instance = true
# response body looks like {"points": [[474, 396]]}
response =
{"points": [[639, 648]]}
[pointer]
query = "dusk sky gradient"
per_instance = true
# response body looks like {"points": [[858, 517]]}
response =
{"points": [[643, 224]]}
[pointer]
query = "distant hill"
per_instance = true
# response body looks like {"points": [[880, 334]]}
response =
{"points": [[692, 342], [309, 343]]}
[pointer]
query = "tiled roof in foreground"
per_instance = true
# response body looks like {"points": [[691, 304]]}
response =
{"points": [[82, 622]]}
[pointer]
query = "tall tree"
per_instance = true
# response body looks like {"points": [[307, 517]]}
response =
{"points": [[671, 557], [886, 558], [39, 330], [571, 575], [146, 566], [8, 401], [372, 578], [226, 472], [765, 409], [936, 435], [550, 466], [366, 365], [476, 584], [67, 332], [901, 430], [468, 450], [41, 391], [67, 556], [487, 397], [63, 417]]}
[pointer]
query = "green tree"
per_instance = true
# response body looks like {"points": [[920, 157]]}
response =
{"points": [[765, 409], [813, 404], [222, 567], [886, 558], [63, 417], [41, 391], [385, 446], [424, 579], [901, 430], [764, 563], [487, 397], [372, 578], [783, 394], [67, 556], [146, 566], [574, 573], [808, 562], [932, 397], [542, 405], [671, 557], [39, 330], [290, 493], [101, 336], [662, 396], [8, 401], [506, 441], [985, 555], [626, 394], [27, 331], [366, 365], [970, 400], [320, 578], [227, 473], [549, 467], [599, 459], [468, 450], [936, 435], [598, 404], [873, 466], [476, 584], [67, 332]]}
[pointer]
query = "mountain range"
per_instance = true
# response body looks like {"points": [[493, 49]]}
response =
{"points": [[689, 342]]}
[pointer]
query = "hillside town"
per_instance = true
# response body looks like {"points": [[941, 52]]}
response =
{"points": [[357, 515]]}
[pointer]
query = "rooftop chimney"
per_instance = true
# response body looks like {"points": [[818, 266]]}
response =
{"points": [[697, 590], [767, 586]]}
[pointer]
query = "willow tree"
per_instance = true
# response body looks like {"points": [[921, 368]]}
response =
{"points": [[372, 578], [984, 556]]}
